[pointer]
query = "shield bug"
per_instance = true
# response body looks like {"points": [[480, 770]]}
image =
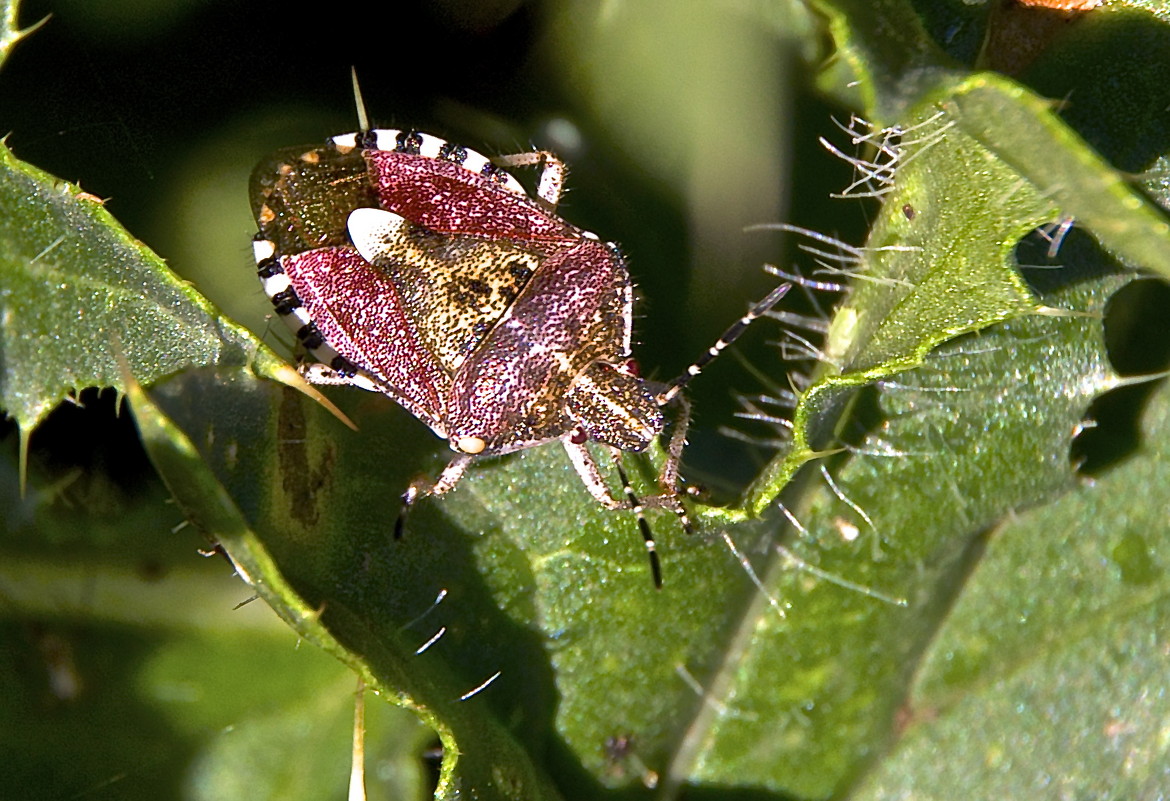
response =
{"points": [[414, 267]]}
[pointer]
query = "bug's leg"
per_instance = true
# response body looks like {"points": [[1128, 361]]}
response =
{"points": [[422, 487], [668, 479], [552, 175], [590, 474]]}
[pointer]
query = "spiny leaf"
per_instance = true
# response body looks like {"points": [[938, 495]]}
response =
{"points": [[1048, 674], [948, 439], [1024, 132], [934, 458], [945, 268], [255, 465], [939, 261], [77, 292]]}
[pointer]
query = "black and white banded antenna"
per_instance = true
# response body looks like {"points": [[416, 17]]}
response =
{"points": [[729, 336]]}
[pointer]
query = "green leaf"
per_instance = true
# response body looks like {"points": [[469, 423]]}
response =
{"points": [[78, 293], [1048, 674], [307, 544]]}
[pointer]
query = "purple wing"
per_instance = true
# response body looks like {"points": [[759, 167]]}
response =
{"points": [[359, 312]]}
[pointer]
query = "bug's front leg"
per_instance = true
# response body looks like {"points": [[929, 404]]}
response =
{"points": [[668, 479], [590, 474]]}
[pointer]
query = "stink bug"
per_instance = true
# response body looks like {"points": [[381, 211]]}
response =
{"points": [[420, 269]]}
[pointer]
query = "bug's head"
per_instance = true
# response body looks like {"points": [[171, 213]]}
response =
{"points": [[611, 404]]}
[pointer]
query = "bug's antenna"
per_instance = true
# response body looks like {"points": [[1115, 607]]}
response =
{"points": [[643, 526], [729, 336], [363, 118]]}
